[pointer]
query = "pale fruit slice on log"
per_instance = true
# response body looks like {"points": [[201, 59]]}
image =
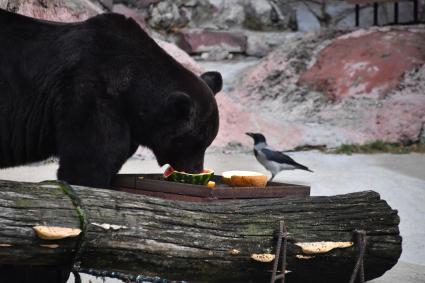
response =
{"points": [[322, 247], [263, 257], [55, 233], [244, 179]]}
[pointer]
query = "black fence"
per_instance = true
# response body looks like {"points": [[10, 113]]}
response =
{"points": [[376, 5]]}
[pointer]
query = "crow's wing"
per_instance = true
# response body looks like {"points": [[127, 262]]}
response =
{"points": [[282, 158]]}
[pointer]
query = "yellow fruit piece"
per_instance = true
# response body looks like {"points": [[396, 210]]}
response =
{"points": [[211, 184], [244, 179], [263, 257]]}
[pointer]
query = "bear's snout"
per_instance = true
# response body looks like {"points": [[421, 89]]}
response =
{"points": [[193, 165], [194, 168]]}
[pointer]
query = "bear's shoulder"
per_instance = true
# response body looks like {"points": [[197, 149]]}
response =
{"points": [[113, 22], [9, 18], [110, 22]]}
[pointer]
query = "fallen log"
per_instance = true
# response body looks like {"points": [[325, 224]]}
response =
{"points": [[227, 241]]}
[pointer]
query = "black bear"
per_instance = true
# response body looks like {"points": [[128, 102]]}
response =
{"points": [[91, 92]]}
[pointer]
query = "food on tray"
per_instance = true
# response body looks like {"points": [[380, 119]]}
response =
{"points": [[182, 177], [244, 179], [211, 184]]}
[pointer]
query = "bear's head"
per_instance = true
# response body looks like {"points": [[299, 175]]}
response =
{"points": [[180, 120], [190, 124], [167, 108]]}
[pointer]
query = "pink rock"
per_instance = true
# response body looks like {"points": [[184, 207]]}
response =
{"points": [[400, 119], [367, 63], [376, 76], [62, 11], [235, 121], [198, 41]]}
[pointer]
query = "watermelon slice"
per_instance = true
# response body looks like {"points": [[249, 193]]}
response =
{"points": [[182, 177]]}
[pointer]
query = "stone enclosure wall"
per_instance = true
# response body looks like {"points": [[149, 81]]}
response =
{"points": [[221, 29]]}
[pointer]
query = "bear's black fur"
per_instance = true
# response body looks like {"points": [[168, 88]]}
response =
{"points": [[91, 92]]}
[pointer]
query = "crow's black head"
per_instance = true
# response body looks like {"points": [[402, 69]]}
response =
{"points": [[258, 138]]}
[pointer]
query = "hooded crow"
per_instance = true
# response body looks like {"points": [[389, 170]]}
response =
{"points": [[273, 160]]}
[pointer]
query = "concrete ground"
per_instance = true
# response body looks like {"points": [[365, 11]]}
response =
{"points": [[400, 179]]}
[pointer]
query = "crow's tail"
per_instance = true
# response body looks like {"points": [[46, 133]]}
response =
{"points": [[302, 167]]}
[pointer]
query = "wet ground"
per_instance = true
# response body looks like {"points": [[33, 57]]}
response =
{"points": [[400, 179]]}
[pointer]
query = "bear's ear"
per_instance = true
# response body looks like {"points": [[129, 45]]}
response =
{"points": [[178, 106], [213, 80]]}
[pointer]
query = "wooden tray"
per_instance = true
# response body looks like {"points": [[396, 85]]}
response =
{"points": [[155, 185]]}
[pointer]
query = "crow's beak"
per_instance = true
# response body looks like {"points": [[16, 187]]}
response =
{"points": [[250, 134]]}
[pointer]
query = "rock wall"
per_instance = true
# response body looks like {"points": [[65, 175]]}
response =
{"points": [[263, 15], [223, 29], [263, 24], [226, 14]]}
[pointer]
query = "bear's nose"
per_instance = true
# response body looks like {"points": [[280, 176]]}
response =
{"points": [[192, 167]]}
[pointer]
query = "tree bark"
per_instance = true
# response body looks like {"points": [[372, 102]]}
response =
{"points": [[203, 242]]}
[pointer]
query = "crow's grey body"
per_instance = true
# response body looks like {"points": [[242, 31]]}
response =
{"points": [[273, 160]]}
